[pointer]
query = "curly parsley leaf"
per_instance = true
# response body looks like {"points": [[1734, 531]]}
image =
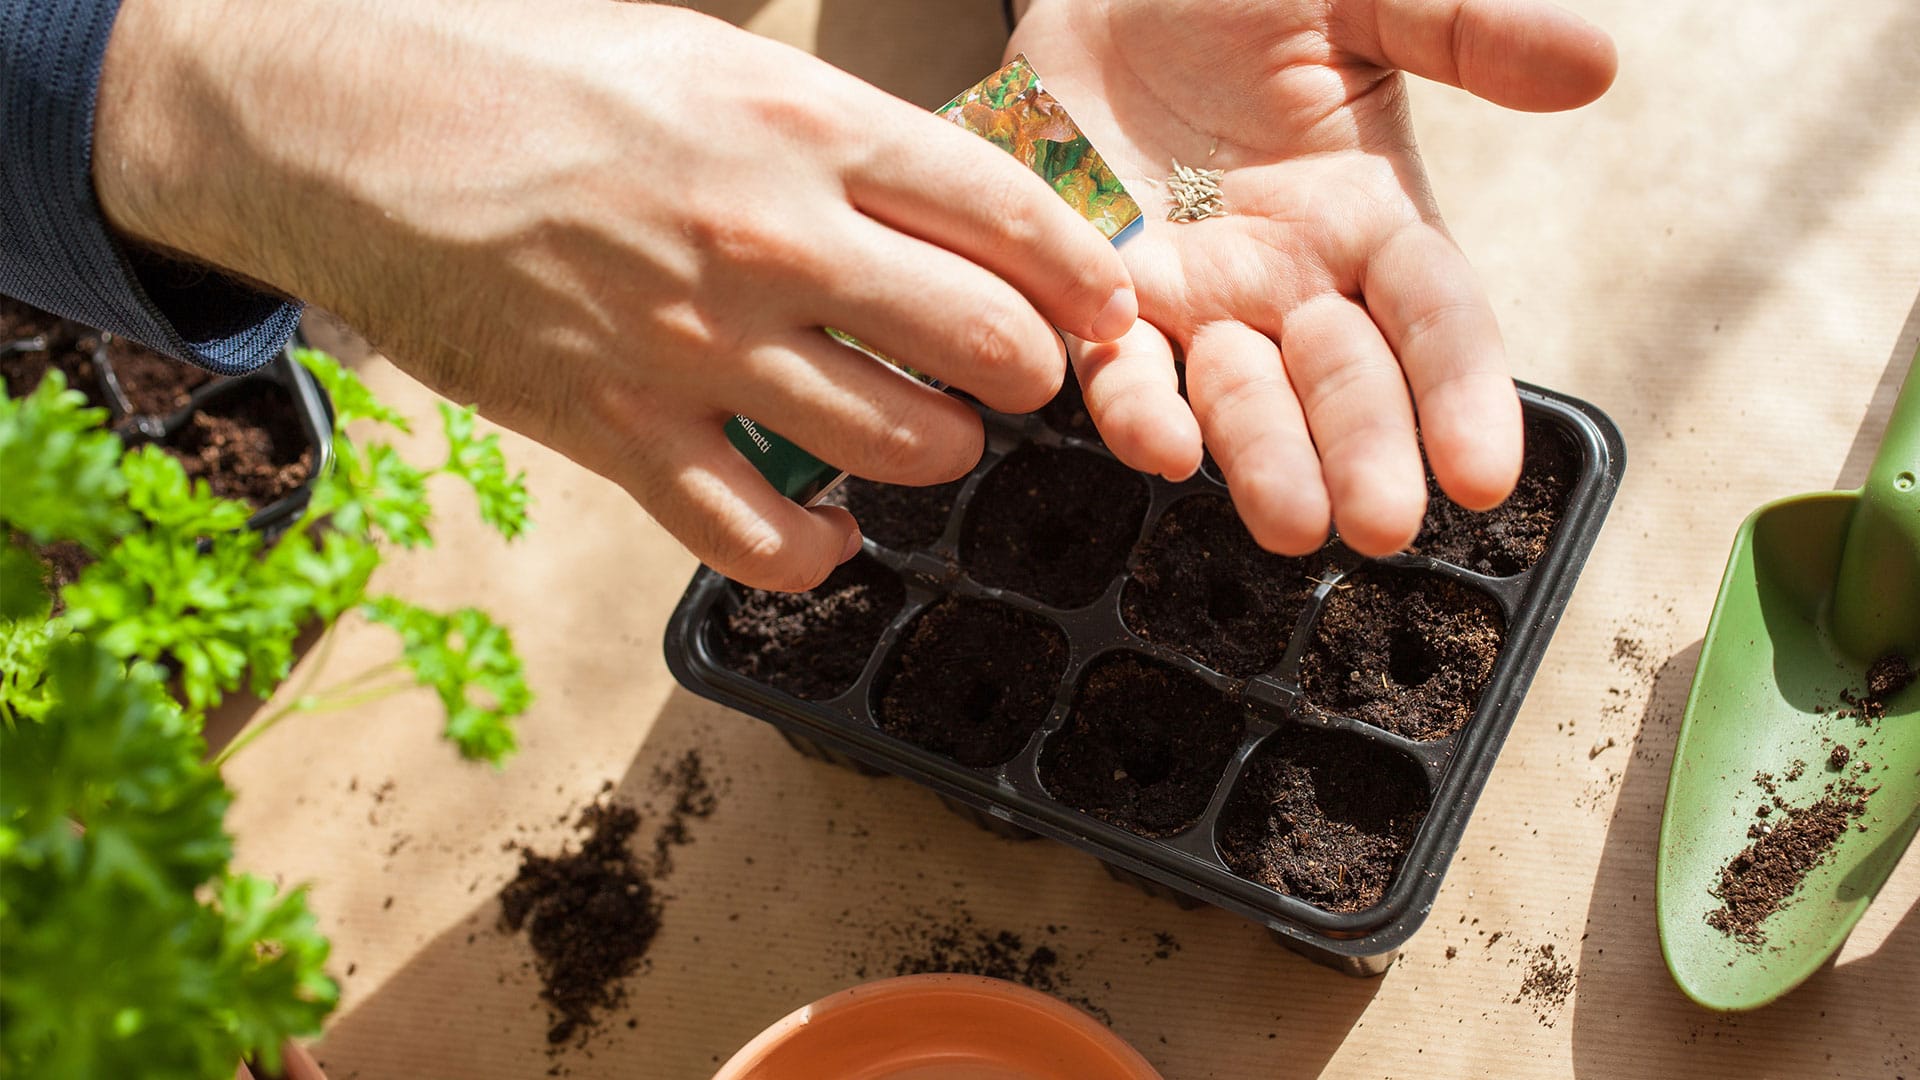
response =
{"points": [[373, 489], [469, 660], [61, 468], [480, 462], [351, 398]]}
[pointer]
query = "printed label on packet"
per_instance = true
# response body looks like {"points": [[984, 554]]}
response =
{"points": [[1011, 110]]}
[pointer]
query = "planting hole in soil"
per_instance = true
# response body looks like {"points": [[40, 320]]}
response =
{"points": [[247, 444], [1053, 524], [974, 680], [1511, 537], [1143, 746], [894, 516], [1404, 650], [812, 645], [155, 385], [1325, 816], [1203, 586]]}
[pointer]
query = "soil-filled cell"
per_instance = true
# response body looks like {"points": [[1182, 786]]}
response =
{"points": [[973, 681], [67, 347], [1325, 816], [1053, 524], [812, 645], [1511, 537], [1204, 587], [154, 385], [1404, 650], [1143, 746], [902, 518], [248, 444]]}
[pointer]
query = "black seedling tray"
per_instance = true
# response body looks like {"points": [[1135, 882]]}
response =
{"points": [[1187, 865], [102, 385]]}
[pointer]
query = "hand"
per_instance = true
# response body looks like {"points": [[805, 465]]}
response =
{"points": [[613, 226], [1331, 287]]}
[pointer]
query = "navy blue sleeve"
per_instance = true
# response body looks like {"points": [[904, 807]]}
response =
{"points": [[56, 251]]}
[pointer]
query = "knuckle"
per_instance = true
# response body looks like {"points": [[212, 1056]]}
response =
{"points": [[756, 554], [760, 243]]}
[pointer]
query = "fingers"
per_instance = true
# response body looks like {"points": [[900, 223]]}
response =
{"points": [[1355, 400], [1254, 423], [856, 412], [962, 193], [1133, 395], [699, 488], [1523, 54], [1427, 302], [935, 312]]}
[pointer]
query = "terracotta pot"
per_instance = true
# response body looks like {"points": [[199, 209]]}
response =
{"points": [[295, 1064], [938, 1027]]}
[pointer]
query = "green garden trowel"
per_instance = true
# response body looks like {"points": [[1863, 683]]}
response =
{"points": [[1817, 588]]}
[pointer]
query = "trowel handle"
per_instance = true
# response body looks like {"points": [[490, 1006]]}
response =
{"points": [[1876, 601]]}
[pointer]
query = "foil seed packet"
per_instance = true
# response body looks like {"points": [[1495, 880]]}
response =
{"points": [[1014, 112]]}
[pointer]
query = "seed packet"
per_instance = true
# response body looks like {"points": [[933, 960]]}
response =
{"points": [[1014, 112]]}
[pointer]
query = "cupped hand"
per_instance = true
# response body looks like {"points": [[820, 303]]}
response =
{"points": [[1330, 289], [613, 227]]}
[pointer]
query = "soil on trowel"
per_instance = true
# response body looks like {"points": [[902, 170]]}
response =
{"points": [[1513, 536], [1204, 587], [590, 916], [974, 680], [1404, 650], [1143, 747], [248, 445], [1325, 816], [1053, 523], [1788, 843], [812, 645], [1886, 677], [902, 518], [154, 385]]}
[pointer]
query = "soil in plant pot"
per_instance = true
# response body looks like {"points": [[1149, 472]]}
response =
{"points": [[812, 645], [19, 319], [1067, 412], [1325, 816], [68, 348], [902, 518], [247, 445], [1202, 585], [1513, 536], [973, 681], [1144, 745], [590, 916], [1404, 650], [1053, 523], [154, 385]]}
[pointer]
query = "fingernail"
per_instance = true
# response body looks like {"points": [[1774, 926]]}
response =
{"points": [[853, 546], [1117, 317]]}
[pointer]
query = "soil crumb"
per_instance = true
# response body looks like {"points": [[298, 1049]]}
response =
{"points": [[695, 797], [957, 943], [1886, 677], [590, 916], [812, 645], [153, 384], [1548, 984], [1763, 877], [248, 445]]}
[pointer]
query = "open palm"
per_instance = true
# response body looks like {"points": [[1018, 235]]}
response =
{"points": [[1330, 289]]}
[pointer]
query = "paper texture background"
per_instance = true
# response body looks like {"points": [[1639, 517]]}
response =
{"points": [[1724, 254]]}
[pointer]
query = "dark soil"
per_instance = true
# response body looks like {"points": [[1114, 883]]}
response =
{"points": [[1404, 650], [1325, 816], [955, 942], [695, 798], [902, 518], [154, 385], [974, 681], [1205, 587], [1143, 746], [247, 445], [1054, 524], [65, 561], [1549, 983], [1786, 847], [24, 370], [590, 916], [1511, 537], [812, 645], [20, 320], [1067, 412]]}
